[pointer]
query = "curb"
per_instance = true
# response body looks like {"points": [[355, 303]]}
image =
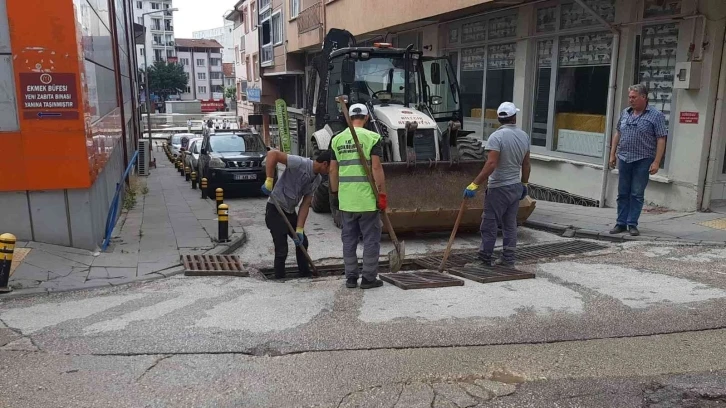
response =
{"points": [[572, 231]]}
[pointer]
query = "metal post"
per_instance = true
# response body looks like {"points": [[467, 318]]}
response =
{"points": [[219, 195], [148, 92], [7, 247], [194, 180], [187, 173], [223, 222], [203, 187]]}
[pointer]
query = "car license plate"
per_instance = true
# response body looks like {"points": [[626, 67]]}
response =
{"points": [[245, 176]]}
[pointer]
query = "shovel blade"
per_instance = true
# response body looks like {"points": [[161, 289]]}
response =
{"points": [[396, 257]]}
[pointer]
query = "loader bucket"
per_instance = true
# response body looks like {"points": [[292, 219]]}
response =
{"points": [[426, 197]]}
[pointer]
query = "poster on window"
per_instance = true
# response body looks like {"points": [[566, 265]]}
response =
{"points": [[474, 32], [657, 65], [586, 49], [501, 56], [473, 59], [503, 27]]}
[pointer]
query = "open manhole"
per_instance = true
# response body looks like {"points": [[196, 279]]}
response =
{"points": [[420, 280], [525, 254], [213, 265]]}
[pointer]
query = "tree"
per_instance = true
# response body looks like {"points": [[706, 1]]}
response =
{"points": [[230, 92], [166, 79]]}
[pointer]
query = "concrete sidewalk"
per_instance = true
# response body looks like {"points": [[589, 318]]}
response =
{"points": [[169, 220], [655, 223]]}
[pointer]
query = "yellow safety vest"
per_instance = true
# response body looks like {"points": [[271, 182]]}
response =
{"points": [[354, 191]]}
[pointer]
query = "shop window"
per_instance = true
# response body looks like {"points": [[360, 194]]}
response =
{"points": [[499, 83], [503, 27], [471, 83], [574, 16], [581, 93], [546, 19], [540, 117], [659, 8], [657, 65]]}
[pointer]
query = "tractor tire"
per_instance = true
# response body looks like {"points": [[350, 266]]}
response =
{"points": [[470, 149], [321, 197]]}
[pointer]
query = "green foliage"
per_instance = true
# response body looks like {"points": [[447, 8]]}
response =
{"points": [[230, 92], [167, 79], [129, 199]]}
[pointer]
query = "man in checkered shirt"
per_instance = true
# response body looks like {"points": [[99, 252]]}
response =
{"points": [[638, 147]]}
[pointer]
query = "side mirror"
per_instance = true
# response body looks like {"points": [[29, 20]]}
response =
{"points": [[347, 75], [436, 73]]}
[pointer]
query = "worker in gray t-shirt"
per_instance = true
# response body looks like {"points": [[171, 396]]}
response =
{"points": [[507, 172], [299, 181]]}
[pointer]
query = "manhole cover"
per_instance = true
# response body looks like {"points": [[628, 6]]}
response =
{"points": [[525, 254], [210, 265], [489, 274], [420, 280], [291, 272]]}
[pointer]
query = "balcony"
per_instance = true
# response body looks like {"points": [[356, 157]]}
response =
{"points": [[309, 24]]}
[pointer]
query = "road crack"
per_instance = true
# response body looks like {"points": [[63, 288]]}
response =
{"points": [[154, 364]]}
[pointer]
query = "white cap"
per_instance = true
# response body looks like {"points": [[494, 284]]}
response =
{"points": [[358, 109], [507, 109]]}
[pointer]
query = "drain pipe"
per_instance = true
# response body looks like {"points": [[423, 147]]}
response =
{"points": [[612, 85], [713, 150]]}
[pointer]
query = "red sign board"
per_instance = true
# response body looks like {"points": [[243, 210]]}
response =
{"points": [[689, 117], [48, 96], [212, 105]]}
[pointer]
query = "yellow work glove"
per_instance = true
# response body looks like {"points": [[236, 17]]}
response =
{"points": [[300, 236], [267, 187], [470, 190]]}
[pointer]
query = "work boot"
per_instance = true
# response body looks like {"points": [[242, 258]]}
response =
{"points": [[502, 262], [366, 284], [619, 229], [634, 231], [351, 283]]}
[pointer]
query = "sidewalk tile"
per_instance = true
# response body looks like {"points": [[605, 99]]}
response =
{"points": [[99, 272]]}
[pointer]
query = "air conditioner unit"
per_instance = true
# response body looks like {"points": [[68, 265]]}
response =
{"points": [[142, 163]]}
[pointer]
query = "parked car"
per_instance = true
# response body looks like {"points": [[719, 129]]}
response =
{"points": [[180, 141], [191, 155], [233, 160]]}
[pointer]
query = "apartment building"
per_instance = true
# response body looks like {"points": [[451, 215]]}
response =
{"points": [[222, 35], [246, 50], [202, 61], [567, 64], [159, 25], [69, 123]]}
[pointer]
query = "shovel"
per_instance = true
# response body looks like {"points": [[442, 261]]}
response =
{"points": [[453, 235], [294, 235], [395, 257]]}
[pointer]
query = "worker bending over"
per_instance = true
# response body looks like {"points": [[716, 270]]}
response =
{"points": [[508, 154], [352, 194], [298, 182]]}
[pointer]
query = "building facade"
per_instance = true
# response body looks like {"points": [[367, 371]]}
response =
{"points": [[159, 37], [246, 50], [68, 116], [567, 64], [222, 35], [202, 61]]}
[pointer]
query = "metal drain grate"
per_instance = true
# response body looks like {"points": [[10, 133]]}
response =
{"points": [[420, 280], [291, 272], [489, 274], [206, 265], [525, 254]]}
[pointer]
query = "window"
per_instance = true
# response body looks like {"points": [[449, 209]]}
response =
{"points": [[471, 82], [141, 52], [277, 29], [139, 5], [169, 53], [236, 55], [167, 6], [155, 6], [294, 8], [158, 55], [540, 116], [499, 83], [247, 20], [264, 5], [184, 61], [253, 11], [267, 53], [215, 75], [189, 89], [248, 67], [202, 89], [202, 76], [200, 62], [157, 39], [256, 67], [214, 62], [168, 26], [156, 24], [140, 20]]}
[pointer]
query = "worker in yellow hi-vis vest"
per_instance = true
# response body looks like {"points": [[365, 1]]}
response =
{"points": [[353, 195]]}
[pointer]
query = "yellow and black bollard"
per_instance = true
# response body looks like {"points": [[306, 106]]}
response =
{"points": [[180, 166], [203, 187], [223, 218], [7, 247], [187, 173], [219, 196], [194, 180]]}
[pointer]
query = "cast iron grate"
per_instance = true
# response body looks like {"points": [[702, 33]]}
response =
{"points": [[420, 280], [490, 274], [525, 254], [205, 265], [291, 272]]}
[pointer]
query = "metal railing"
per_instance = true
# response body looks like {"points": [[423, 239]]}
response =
{"points": [[309, 19], [113, 211]]}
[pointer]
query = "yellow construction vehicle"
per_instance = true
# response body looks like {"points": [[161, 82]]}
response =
{"points": [[414, 105]]}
